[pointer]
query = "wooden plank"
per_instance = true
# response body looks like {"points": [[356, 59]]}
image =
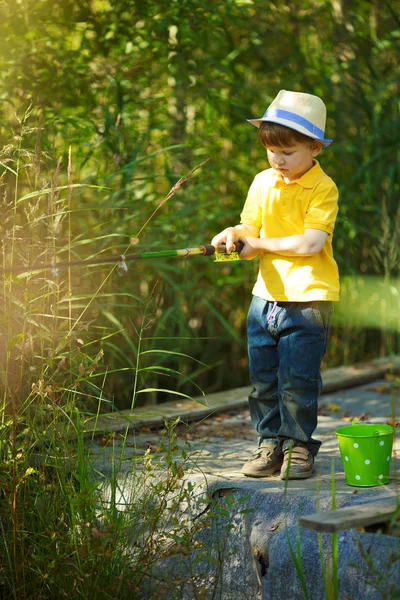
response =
{"points": [[145, 416], [352, 517]]}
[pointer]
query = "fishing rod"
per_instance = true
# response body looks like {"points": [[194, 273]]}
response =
{"points": [[206, 250]]}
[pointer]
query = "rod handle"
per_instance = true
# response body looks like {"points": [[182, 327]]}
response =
{"points": [[239, 247], [222, 248]]}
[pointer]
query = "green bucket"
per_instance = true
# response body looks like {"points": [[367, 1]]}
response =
{"points": [[366, 450]]}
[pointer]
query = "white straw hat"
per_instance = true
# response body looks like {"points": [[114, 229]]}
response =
{"points": [[303, 112]]}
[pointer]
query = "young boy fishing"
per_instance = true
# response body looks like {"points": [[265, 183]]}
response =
{"points": [[288, 221]]}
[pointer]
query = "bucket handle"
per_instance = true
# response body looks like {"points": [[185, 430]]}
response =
{"points": [[355, 422]]}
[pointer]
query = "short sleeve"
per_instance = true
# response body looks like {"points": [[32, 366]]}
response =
{"points": [[323, 207], [252, 209]]}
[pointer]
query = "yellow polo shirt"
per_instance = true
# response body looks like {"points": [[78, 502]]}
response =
{"points": [[281, 209]]}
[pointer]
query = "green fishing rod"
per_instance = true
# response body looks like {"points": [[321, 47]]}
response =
{"points": [[206, 250]]}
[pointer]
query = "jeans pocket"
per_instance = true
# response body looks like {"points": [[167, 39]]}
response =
{"points": [[323, 311]]}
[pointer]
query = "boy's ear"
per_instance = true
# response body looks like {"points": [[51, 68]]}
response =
{"points": [[316, 148]]}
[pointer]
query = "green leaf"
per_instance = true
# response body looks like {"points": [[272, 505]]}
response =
{"points": [[173, 392], [172, 353], [8, 169], [59, 188]]}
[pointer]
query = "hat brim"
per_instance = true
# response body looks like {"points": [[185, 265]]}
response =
{"points": [[257, 122]]}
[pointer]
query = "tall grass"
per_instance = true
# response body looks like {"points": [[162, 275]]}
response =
{"points": [[330, 560], [198, 308], [67, 530], [147, 113], [64, 528]]}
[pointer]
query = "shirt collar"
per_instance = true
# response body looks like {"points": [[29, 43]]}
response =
{"points": [[309, 179]]}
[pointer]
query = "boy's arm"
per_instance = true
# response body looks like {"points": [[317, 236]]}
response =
{"points": [[311, 242], [230, 235]]}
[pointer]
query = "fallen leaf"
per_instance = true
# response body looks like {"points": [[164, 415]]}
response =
{"points": [[381, 388], [363, 417]]}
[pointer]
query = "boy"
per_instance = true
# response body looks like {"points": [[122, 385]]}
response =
{"points": [[288, 220]]}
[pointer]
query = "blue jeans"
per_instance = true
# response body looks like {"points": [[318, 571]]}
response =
{"points": [[286, 344]]}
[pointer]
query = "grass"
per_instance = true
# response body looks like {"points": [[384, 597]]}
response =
{"points": [[67, 529], [330, 560]]}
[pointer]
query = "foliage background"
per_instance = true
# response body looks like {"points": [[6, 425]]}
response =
{"points": [[121, 99]]}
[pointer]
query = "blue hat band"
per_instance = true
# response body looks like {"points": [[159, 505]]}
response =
{"points": [[290, 116]]}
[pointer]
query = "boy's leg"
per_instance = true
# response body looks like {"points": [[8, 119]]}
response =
{"points": [[264, 398], [303, 330], [263, 368]]}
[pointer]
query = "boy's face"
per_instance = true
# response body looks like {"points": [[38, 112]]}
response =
{"points": [[293, 161]]}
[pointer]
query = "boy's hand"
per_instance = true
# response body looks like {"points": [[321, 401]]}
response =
{"points": [[251, 247], [228, 237]]}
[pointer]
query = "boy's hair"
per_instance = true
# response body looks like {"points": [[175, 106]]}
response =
{"points": [[273, 134]]}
